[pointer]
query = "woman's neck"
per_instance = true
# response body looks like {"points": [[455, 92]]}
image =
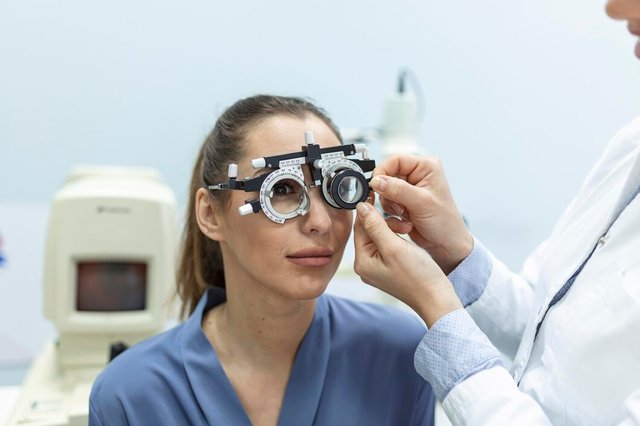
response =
{"points": [[256, 336], [258, 327]]}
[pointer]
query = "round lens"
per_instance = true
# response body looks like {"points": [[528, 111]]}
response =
{"points": [[350, 189], [286, 196], [345, 188]]}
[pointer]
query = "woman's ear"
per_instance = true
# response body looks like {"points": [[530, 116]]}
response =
{"points": [[209, 215]]}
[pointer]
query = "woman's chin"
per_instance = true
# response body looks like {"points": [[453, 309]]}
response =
{"points": [[309, 290]]}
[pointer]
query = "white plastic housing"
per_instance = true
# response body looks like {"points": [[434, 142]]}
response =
{"points": [[258, 163], [108, 214], [399, 125], [245, 209]]}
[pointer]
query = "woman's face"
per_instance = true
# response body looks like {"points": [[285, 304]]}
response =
{"points": [[296, 259], [627, 10]]}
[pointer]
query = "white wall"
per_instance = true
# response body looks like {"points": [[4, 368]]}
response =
{"points": [[521, 96], [23, 329]]}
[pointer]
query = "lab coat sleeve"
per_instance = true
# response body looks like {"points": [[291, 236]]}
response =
{"points": [[452, 350], [470, 277], [632, 408], [455, 351], [491, 397], [504, 307]]}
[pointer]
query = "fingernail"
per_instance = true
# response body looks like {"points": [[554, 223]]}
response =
{"points": [[363, 209], [379, 183], [397, 209]]}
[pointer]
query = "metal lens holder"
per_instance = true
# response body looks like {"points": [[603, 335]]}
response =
{"points": [[334, 175], [274, 178], [330, 167]]}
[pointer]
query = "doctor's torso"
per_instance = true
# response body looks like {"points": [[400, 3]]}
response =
{"points": [[585, 359]]}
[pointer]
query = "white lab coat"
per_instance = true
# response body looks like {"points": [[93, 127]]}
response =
{"points": [[584, 365]]}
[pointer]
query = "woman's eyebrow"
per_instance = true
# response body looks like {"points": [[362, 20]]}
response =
{"points": [[261, 171]]}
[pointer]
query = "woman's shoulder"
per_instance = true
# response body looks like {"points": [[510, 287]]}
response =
{"points": [[146, 384], [139, 366], [371, 322]]}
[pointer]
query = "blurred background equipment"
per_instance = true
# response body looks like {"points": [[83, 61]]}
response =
{"points": [[402, 112], [399, 130], [109, 268]]}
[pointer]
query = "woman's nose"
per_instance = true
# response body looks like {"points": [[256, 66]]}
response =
{"points": [[318, 218]]}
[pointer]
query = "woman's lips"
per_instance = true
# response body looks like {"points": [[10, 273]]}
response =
{"points": [[311, 261], [311, 257]]}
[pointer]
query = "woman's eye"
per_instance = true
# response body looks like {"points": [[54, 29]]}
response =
{"points": [[282, 189]]}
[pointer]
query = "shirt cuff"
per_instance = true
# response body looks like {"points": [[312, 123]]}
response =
{"points": [[471, 276], [452, 350]]}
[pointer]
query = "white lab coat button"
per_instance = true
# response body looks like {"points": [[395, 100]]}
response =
{"points": [[602, 240]]}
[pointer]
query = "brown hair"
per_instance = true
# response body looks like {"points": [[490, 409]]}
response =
{"points": [[200, 265]]}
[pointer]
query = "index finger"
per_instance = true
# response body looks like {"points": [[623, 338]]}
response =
{"points": [[411, 168], [372, 229]]}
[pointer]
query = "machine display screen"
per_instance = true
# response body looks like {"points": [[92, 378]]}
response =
{"points": [[111, 286]]}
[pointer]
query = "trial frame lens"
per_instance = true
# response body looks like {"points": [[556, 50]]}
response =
{"points": [[286, 195], [350, 189], [347, 188]]}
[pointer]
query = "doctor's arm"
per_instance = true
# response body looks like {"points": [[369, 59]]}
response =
{"points": [[463, 367], [415, 189]]}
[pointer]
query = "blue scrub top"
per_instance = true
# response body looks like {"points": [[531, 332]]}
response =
{"points": [[354, 367]]}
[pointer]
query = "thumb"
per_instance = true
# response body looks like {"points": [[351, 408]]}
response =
{"points": [[376, 228], [400, 192]]}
